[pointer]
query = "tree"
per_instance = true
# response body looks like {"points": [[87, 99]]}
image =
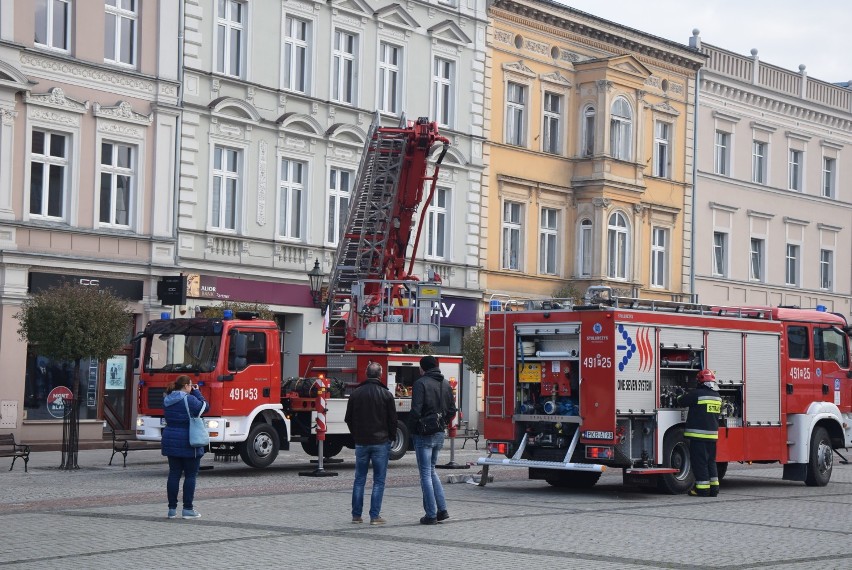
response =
{"points": [[218, 311], [473, 349], [71, 323]]}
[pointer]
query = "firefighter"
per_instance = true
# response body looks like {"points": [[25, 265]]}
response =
{"points": [[702, 429]]}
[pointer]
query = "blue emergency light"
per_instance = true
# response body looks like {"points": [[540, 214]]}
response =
{"points": [[227, 314], [165, 316]]}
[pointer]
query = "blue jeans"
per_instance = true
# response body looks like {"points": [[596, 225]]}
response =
{"points": [[188, 467], [426, 449], [378, 455]]}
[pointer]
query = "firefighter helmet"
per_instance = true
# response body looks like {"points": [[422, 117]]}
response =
{"points": [[706, 376]]}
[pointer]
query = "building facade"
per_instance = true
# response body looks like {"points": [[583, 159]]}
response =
{"points": [[774, 199], [590, 149], [278, 98], [89, 108]]}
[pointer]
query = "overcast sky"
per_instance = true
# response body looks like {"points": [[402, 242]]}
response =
{"points": [[786, 33]]}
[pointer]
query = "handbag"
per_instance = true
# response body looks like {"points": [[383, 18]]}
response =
{"points": [[431, 424], [198, 436]]}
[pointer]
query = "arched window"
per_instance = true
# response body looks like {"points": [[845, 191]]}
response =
{"points": [[584, 261], [588, 131], [618, 246], [621, 129]]}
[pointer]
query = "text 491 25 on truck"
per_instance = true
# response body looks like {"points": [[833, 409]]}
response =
{"points": [[572, 389]]}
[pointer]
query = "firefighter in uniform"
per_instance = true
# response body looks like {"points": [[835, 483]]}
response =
{"points": [[702, 429]]}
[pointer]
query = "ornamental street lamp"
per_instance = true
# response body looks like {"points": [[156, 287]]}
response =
{"points": [[315, 278]]}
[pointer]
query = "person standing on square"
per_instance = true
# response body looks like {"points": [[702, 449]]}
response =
{"points": [[371, 417], [184, 460]]}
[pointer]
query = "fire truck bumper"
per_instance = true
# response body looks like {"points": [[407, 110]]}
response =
{"points": [[569, 466]]}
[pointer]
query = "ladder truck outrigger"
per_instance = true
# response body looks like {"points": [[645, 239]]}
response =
{"points": [[572, 389], [375, 307]]}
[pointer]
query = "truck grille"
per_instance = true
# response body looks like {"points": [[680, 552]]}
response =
{"points": [[155, 398]]}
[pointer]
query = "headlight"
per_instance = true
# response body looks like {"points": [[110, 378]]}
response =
{"points": [[212, 424], [139, 422]]}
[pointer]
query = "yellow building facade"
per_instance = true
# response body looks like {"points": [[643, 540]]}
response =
{"points": [[589, 156]]}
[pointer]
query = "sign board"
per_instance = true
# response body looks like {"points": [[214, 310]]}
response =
{"points": [[59, 401]]}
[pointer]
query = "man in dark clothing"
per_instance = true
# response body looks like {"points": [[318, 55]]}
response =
{"points": [[371, 417], [702, 429], [432, 409]]}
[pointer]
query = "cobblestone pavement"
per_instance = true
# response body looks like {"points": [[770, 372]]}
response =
{"points": [[112, 517]]}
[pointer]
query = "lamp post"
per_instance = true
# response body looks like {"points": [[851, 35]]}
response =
{"points": [[315, 278]]}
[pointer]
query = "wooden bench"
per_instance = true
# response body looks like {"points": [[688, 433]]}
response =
{"points": [[8, 448], [124, 440], [465, 432]]}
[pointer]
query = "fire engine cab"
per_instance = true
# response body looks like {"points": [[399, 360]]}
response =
{"points": [[572, 389]]}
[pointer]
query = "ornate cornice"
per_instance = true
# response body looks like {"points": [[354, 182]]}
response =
{"points": [[121, 112], [93, 75], [56, 99]]}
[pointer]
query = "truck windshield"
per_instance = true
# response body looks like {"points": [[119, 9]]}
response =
{"points": [[179, 352]]}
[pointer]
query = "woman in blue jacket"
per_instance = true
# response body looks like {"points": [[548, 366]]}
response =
{"points": [[183, 458]]}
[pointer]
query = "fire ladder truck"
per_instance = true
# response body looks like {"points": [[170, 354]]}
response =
{"points": [[574, 389], [375, 307]]}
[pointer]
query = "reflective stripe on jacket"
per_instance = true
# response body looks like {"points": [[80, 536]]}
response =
{"points": [[702, 420]]}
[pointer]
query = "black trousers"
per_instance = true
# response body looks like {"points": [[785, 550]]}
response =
{"points": [[703, 454]]}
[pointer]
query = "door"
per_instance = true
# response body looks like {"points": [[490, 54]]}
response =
{"points": [[117, 374], [831, 363]]}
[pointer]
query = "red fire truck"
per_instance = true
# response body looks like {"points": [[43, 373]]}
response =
{"points": [[374, 309], [574, 389]]}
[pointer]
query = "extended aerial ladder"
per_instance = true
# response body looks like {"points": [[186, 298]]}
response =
{"points": [[374, 302]]}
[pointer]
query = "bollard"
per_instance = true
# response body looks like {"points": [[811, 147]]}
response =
{"points": [[322, 396]]}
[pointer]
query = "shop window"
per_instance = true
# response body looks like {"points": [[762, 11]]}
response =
{"points": [[45, 374]]}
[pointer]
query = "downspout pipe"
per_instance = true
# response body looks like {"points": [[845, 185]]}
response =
{"points": [[178, 128], [694, 42]]}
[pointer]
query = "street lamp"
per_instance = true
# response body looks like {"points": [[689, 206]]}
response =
{"points": [[315, 278]]}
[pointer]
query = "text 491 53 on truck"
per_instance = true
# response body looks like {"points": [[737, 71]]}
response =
{"points": [[574, 389]]}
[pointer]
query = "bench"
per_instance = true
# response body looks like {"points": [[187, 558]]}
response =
{"points": [[8, 448], [465, 432], [124, 440]]}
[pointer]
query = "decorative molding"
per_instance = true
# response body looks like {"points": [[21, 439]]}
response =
{"points": [[56, 117], [7, 117], [56, 99], [557, 78], [726, 117], [111, 128], [829, 228], [796, 221], [723, 207], [261, 182], [519, 68], [504, 37], [762, 127], [797, 136], [304, 7], [449, 31], [604, 85], [567, 55], [831, 144], [96, 75], [599, 202], [664, 107], [761, 215], [121, 112], [537, 47]]}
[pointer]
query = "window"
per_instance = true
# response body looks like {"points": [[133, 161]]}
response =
{"points": [[792, 266], [120, 34], [344, 67], [297, 41], [552, 128], [830, 346], [798, 347], [723, 155], [118, 165], [511, 235], [621, 130], [436, 219], [585, 242], [230, 37], [339, 189], [52, 23], [720, 254], [828, 177], [226, 187], [796, 170], [617, 246], [48, 174], [659, 268], [390, 76], [443, 88], [548, 241], [44, 373], [758, 162], [291, 195], [589, 131], [756, 265], [662, 146], [826, 269], [516, 101]]}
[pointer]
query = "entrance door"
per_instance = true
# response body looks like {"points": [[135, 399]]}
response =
{"points": [[117, 390]]}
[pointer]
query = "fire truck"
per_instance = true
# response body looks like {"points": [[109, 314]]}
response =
{"points": [[375, 307], [572, 389]]}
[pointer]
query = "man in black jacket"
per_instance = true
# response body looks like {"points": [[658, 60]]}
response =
{"points": [[371, 417], [702, 430], [432, 409]]}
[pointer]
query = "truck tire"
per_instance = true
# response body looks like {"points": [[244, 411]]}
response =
{"points": [[574, 479], [821, 459], [260, 447], [721, 469], [330, 447], [676, 456], [399, 445]]}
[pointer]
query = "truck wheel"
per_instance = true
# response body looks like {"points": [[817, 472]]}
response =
{"points": [[676, 456], [399, 445], [573, 479], [330, 447], [260, 447], [721, 469], [821, 459]]}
